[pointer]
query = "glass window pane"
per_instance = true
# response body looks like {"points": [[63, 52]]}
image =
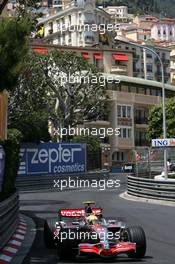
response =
{"points": [[123, 111], [129, 111], [119, 111]]}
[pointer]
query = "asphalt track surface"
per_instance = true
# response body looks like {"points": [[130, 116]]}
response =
{"points": [[158, 222]]}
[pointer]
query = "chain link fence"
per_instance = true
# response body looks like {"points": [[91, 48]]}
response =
{"points": [[150, 161]]}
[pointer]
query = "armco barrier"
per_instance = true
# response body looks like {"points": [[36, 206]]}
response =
{"points": [[9, 210], [28, 183], [149, 188]]}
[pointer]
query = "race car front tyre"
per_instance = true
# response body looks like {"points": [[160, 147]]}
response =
{"points": [[49, 225], [66, 252], [136, 235]]}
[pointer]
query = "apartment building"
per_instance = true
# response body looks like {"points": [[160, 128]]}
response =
{"points": [[107, 60], [138, 34], [145, 64], [164, 30], [130, 102], [172, 65], [118, 13], [79, 24]]}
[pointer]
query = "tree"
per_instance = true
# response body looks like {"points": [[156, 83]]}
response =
{"points": [[92, 143], [77, 91], [45, 89], [155, 129], [28, 103], [13, 48]]}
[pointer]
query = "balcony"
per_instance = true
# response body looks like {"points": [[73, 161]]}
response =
{"points": [[164, 60], [136, 57], [172, 67], [172, 54], [141, 143], [141, 120], [136, 70], [50, 31], [119, 69]]}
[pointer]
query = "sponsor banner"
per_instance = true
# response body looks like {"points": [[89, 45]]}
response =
{"points": [[78, 212], [52, 158], [161, 143], [3, 114]]}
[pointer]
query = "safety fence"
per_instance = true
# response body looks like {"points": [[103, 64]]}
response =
{"points": [[49, 182], [9, 210], [153, 189]]}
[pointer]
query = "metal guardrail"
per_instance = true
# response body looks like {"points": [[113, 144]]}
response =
{"points": [[149, 188], [40, 182], [9, 210]]}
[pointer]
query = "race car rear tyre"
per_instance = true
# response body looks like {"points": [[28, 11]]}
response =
{"points": [[137, 235], [49, 225]]}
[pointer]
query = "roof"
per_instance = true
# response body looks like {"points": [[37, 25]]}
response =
{"points": [[135, 80]]}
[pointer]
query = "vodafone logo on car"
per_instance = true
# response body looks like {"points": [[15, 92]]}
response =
{"points": [[78, 212], [72, 213]]}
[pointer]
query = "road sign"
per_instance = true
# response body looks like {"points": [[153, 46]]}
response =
{"points": [[162, 143]]}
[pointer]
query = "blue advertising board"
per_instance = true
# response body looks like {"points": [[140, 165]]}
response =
{"points": [[52, 158]]}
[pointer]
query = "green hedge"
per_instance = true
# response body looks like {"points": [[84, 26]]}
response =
{"points": [[11, 147]]}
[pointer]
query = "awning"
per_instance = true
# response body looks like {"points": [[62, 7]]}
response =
{"points": [[43, 51], [120, 57], [85, 55], [98, 56]]}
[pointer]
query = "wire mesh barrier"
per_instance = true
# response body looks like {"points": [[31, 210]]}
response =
{"points": [[150, 161], [94, 160]]}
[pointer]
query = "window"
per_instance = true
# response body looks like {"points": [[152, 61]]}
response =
{"points": [[119, 110], [124, 111], [118, 156], [129, 111], [141, 90], [125, 133], [148, 55], [149, 67], [159, 32]]}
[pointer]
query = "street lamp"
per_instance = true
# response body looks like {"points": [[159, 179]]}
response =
{"points": [[121, 39]]}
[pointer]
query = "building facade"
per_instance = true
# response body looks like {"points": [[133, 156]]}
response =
{"points": [[107, 60], [172, 65], [118, 13], [130, 102], [145, 64], [164, 30], [79, 24]]}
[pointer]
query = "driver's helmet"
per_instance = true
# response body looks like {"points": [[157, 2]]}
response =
{"points": [[92, 219]]}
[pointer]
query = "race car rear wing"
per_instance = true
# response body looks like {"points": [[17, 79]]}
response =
{"points": [[79, 212]]}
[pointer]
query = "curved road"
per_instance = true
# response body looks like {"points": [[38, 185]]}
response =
{"points": [[158, 222]]}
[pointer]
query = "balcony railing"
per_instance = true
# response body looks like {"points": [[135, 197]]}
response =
{"points": [[141, 120], [141, 143]]}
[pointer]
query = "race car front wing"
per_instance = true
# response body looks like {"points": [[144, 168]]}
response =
{"points": [[112, 251]]}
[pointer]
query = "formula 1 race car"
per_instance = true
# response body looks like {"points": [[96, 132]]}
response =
{"points": [[76, 234]]}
